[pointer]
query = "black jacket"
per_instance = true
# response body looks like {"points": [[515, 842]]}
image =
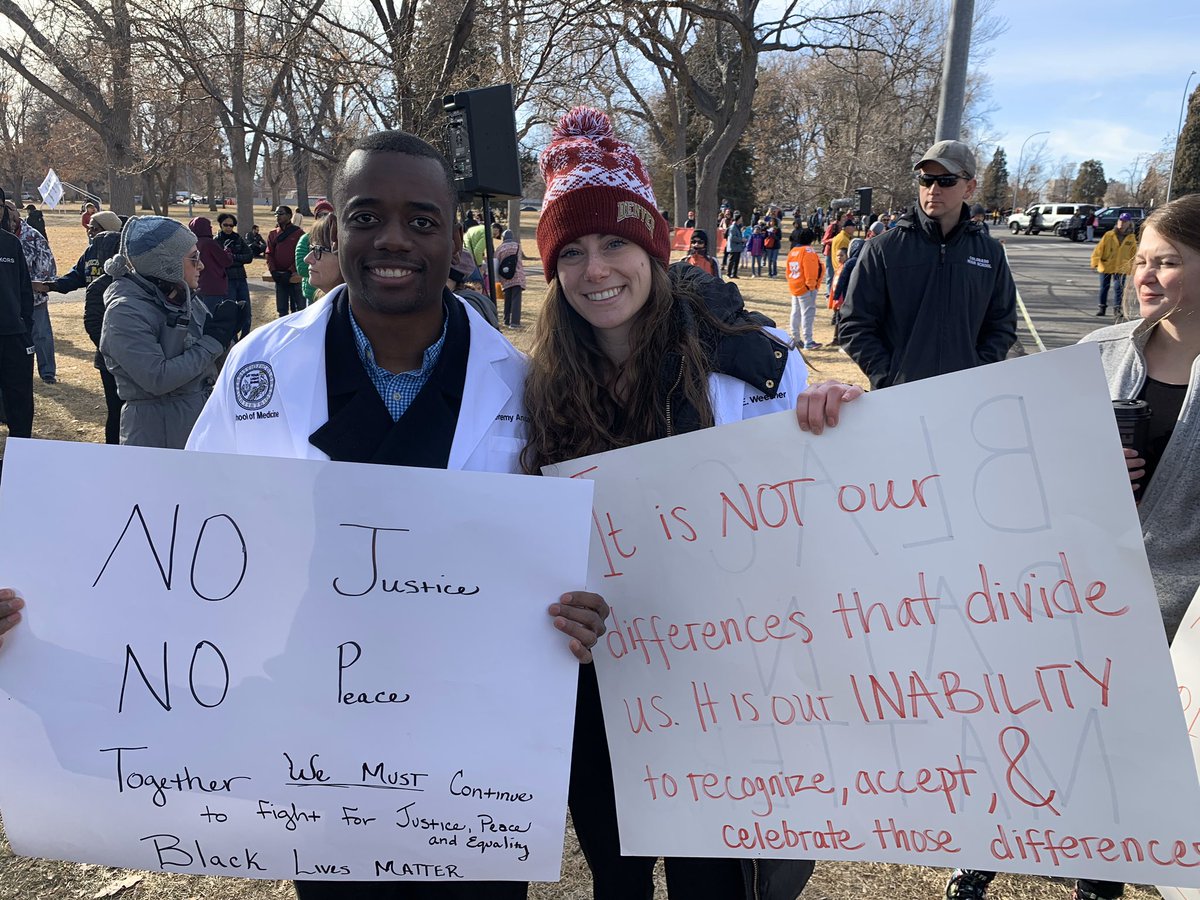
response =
{"points": [[239, 250], [16, 290], [754, 357], [103, 248], [921, 305]]}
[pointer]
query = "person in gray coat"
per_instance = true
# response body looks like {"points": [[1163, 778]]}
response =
{"points": [[158, 339]]}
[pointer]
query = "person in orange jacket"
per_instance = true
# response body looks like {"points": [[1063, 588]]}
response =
{"points": [[804, 271]]}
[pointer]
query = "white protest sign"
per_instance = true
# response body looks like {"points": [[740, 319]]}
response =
{"points": [[926, 636], [51, 189], [1185, 654], [285, 668]]}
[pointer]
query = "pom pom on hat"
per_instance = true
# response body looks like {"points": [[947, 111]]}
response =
{"points": [[596, 184]]}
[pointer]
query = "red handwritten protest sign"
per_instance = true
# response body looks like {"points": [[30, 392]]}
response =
{"points": [[926, 636]]}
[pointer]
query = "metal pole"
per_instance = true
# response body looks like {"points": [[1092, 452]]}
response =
{"points": [[1020, 156], [954, 70], [489, 253], [1178, 135]]}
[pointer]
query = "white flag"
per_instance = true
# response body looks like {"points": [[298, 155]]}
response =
{"points": [[51, 189]]}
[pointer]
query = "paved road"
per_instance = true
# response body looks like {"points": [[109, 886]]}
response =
{"points": [[1058, 286]]}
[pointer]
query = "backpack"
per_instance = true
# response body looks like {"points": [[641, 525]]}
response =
{"points": [[507, 267]]}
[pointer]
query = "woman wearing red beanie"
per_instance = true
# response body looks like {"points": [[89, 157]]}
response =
{"points": [[625, 351]]}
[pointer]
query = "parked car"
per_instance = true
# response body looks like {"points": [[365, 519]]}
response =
{"points": [[1051, 215], [1107, 218]]}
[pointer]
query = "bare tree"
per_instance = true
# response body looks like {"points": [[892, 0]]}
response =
{"points": [[17, 102], [47, 54]]}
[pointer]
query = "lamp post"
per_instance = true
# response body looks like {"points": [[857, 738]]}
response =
{"points": [[1178, 134], [1020, 156]]}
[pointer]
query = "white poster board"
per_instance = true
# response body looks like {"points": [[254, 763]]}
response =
{"points": [[926, 636], [284, 668], [1185, 654]]}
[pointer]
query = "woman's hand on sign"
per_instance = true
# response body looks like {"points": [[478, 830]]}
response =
{"points": [[580, 615], [821, 404], [10, 611]]}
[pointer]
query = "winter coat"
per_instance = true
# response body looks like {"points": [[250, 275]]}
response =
{"points": [[922, 304], [1114, 254], [38, 258], [281, 252], [735, 240], [239, 251], [163, 363], [213, 280], [1167, 511], [16, 292], [505, 250], [103, 247]]}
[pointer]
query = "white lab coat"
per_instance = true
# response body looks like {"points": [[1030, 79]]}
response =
{"points": [[271, 395], [734, 400]]}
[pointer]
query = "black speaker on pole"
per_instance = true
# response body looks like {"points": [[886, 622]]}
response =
{"points": [[481, 140], [864, 202]]}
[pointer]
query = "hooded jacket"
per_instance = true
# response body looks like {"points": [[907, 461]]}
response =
{"points": [[162, 361], [921, 304], [213, 280], [1167, 512], [16, 290], [239, 251]]}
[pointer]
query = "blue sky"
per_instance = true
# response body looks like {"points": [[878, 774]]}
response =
{"points": [[1105, 78]]}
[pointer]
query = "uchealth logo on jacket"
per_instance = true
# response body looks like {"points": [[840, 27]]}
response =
{"points": [[253, 387]]}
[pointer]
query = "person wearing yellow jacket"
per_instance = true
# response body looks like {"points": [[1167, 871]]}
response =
{"points": [[1112, 258]]}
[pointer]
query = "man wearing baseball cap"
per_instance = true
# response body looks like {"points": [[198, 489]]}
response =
{"points": [[281, 262], [1113, 258], [934, 294]]}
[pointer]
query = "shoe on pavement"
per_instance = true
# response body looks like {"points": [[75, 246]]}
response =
{"points": [[50, 379], [813, 345], [1102, 312], [968, 884]]}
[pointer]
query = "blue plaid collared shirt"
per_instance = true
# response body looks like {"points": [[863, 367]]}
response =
{"points": [[398, 391]]}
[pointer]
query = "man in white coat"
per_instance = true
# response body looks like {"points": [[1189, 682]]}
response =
{"points": [[390, 368]]}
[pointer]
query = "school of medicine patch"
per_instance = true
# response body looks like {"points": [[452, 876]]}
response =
{"points": [[254, 385]]}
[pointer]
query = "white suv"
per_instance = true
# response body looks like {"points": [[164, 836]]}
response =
{"points": [[1052, 215]]}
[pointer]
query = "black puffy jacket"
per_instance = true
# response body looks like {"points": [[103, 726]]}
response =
{"points": [[920, 304]]}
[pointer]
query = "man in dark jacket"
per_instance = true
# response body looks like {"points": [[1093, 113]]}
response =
{"points": [[933, 295], [104, 229], [241, 253], [16, 330], [281, 263]]}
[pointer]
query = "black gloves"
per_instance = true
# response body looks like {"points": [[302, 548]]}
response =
{"points": [[223, 323]]}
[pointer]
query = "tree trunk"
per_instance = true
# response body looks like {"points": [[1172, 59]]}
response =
{"points": [[210, 185], [148, 194], [514, 218]]}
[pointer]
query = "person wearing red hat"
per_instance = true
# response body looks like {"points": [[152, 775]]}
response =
{"points": [[629, 350], [321, 210]]}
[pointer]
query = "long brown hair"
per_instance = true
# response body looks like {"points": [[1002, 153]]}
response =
{"points": [[571, 391]]}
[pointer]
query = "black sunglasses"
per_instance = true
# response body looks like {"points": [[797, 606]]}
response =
{"points": [[945, 181]]}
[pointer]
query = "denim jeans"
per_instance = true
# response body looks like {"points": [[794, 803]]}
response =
{"points": [[239, 293], [1118, 282], [43, 341], [772, 261], [289, 298]]}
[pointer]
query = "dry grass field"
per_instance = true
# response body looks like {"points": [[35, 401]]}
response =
{"points": [[73, 410]]}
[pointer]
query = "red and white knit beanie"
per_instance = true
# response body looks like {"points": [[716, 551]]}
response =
{"points": [[596, 184]]}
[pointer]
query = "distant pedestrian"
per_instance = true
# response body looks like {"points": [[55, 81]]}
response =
{"points": [[699, 257], [42, 268], [1113, 258], [831, 231], [755, 248], [804, 271], [735, 243], [321, 210], [85, 217], [510, 273], [16, 330], [214, 282], [281, 262], [255, 241], [35, 219], [979, 216], [241, 253]]}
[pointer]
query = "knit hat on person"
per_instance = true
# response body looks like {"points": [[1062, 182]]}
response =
{"points": [[106, 221], [323, 206], [152, 246], [596, 184]]}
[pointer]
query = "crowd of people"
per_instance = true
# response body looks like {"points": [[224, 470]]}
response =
{"points": [[628, 348]]}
